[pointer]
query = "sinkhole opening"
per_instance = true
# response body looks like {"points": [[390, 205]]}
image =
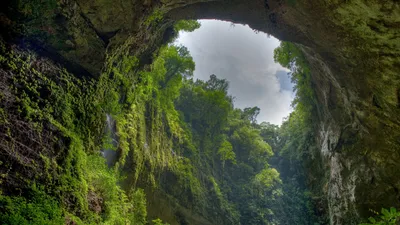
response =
{"points": [[245, 58]]}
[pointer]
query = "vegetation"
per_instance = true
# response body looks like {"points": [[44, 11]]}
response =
{"points": [[168, 125], [174, 134], [63, 116], [294, 147], [39, 209], [187, 25], [387, 217], [154, 18], [229, 149], [177, 136]]}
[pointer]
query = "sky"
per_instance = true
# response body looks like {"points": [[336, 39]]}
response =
{"points": [[245, 58]]}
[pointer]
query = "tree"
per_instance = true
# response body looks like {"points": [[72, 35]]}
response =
{"points": [[221, 133], [184, 25], [187, 25], [266, 179], [251, 114], [216, 84], [226, 153], [177, 62], [290, 56]]}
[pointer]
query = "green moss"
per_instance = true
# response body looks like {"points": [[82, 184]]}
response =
{"points": [[154, 18], [147, 120], [187, 178], [39, 209], [138, 199], [159, 222], [49, 95], [228, 208]]}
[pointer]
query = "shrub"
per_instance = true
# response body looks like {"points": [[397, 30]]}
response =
{"points": [[387, 217], [39, 209]]}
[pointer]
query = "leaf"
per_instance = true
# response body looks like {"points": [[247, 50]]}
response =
{"points": [[385, 212]]}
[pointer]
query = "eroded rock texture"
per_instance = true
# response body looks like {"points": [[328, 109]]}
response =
{"points": [[353, 48]]}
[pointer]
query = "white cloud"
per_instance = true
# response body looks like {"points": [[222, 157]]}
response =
{"points": [[245, 58]]}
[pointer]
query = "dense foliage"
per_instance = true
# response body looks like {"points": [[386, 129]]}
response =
{"points": [[229, 153], [52, 132], [171, 135], [174, 134], [167, 126], [387, 217], [294, 147]]}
